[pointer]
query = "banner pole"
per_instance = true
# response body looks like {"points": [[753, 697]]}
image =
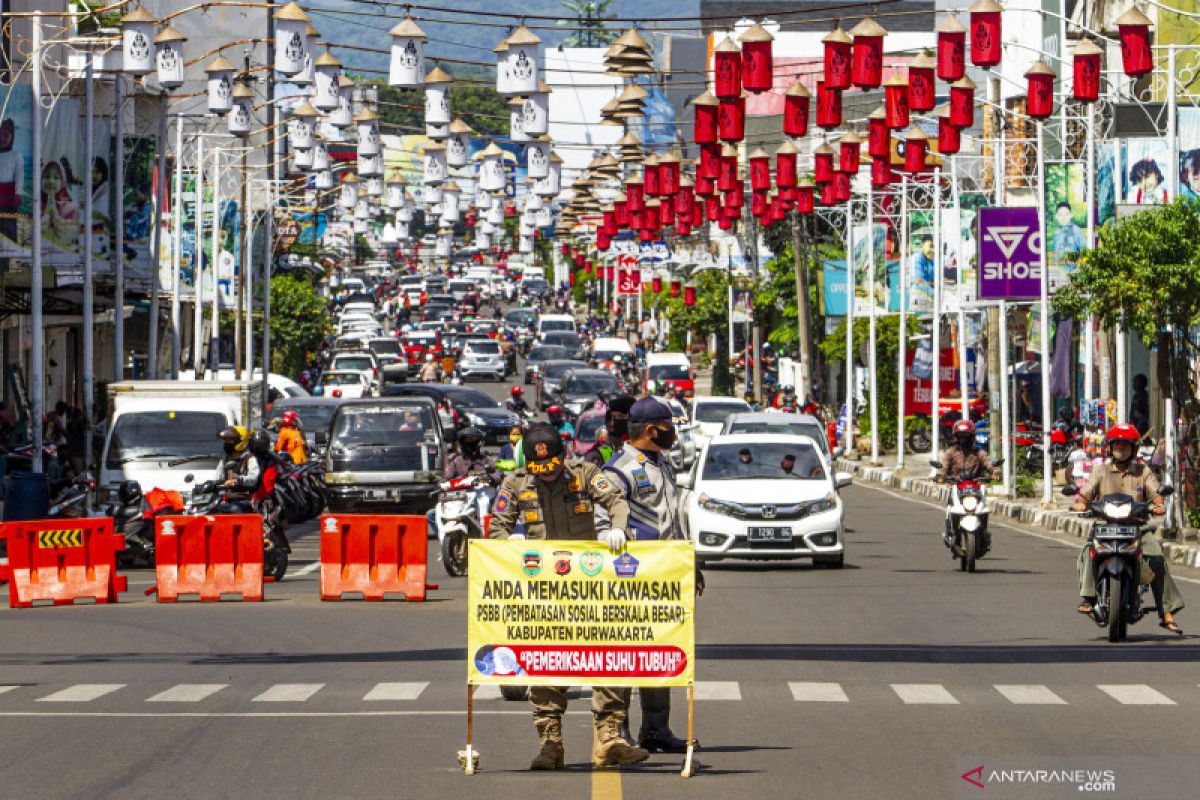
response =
{"points": [[689, 764], [468, 759]]}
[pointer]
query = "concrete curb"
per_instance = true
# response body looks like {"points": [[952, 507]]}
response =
{"points": [[1048, 519]]}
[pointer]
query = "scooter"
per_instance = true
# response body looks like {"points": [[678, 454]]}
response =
{"points": [[967, 512], [1122, 579], [210, 498], [72, 501], [461, 510]]}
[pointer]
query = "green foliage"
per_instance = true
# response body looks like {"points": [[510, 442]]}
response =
{"points": [[589, 22], [299, 323], [1024, 486], [479, 105]]}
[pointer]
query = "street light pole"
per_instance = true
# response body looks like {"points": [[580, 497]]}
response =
{"points": [[89, 287], [37, 349], [1044, 325], [118, 249], [160, 192], [176, 246]]}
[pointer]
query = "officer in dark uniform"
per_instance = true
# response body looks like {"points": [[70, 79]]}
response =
{"points": [[557, 500], [616, 425]]}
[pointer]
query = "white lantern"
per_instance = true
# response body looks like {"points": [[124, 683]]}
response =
{"points": [[375, 187], [501, 51], [326, 71], [533, 203], [395, 194], [241, 115], [483, 200], [220, 85], [458, 143], [291, 39], [526, 244], [495, 214], [551, 185], [367, 123], [516, 121], [302, 127], [407, 66], [543, 218], [491, 168], [320, 158], [343, 115], [535, 112], [483, 240], [402, 231], [169, 57], [362, 206], [435, 163], [443, 244], [432, 196], [137, 42], [370, 166], [437, 132], [302, 160], [349, 194], [361, 226], [324, 179], [522, 61], [437, 97], [537, 157], [450, 211], [307, 73], [405, 212]]}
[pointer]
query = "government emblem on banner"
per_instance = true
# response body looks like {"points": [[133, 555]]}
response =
{"points": [[625, 565], [531, 563], [591, 563], [562, 562]]}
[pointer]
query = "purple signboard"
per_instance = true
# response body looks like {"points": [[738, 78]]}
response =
{"points": [[1010, 254]]}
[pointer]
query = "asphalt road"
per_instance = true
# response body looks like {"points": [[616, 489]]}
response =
{"points": [[889, 678]]}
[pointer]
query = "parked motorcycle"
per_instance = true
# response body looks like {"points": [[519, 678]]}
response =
{"points": [[461, 509], [72, 501], [967, 512], [211, 498], [1122, 578]]}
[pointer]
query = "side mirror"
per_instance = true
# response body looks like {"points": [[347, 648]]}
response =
{"points": [[935, 464], [1166, 491], [843, 479], [1070, 490], [322, 438], [189, 478]]}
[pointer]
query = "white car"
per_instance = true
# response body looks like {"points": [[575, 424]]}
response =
{"points": [[764, 496], [683, 453], [481, 359], [708, 414], [347, 384], [359, 360]]}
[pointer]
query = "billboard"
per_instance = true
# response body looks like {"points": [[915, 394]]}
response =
{"points": [[1010, 250]]}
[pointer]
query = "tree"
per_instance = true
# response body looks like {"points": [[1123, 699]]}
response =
{"points": [[1144, 276], [299, 323], [477, 102], [589, 24], [709, 316]]}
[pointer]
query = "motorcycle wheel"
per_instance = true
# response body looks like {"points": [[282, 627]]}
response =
{"points": [[514, 692], [919, 441], [970, 542], [454, 554], [1116, 607], [275, 563]]}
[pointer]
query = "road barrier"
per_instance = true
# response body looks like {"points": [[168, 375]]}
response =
{"points": [[374, 555], [62, 561], [211, 557]]}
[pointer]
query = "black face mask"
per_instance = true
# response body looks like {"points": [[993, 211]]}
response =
{"points": [[470, 449], [618, 429], [663, 438], [229, 446]]}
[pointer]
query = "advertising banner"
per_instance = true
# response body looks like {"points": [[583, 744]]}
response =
{"points": [[629, 280], [918, 383], [563, 613], [1010, 250]]}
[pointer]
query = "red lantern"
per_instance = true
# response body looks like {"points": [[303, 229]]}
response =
{"points": [[705, 186], [676, 286], [757, 71], [609, 272], [823, 163], [788, 193], [915, 146], [727, 180], [828, 195], [710, 161], [985, 33], [962, 103], [698, 210], [778, 212], [951, 49], [668, 175], [566, 248], [579, 260], [922, 93], [656, 284], [848, 150], [731, 119], [689, 295], [637, 220], [841, 187], [650, 177], [1039, 97], [705, 128], [733, 198], [879, 139], [866, 67], [804, 196], [759, 203], [645, 234], [609, 225], [1086, 86], [602, 242], [949, 136], [683, 227], [896, 102], [760, 170], [785, 165], [829, 107], [727, 70], [588, 269], [712, 207], [837, 59], [881, 172], [796, 102], [635, 193], [684, 197], [666, 213], [652, 218], [726, 223], [1136, 55], [621, 211], [571, 278]]}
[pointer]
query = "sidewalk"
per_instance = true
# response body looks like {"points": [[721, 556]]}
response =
{"points": [[914, 478]]}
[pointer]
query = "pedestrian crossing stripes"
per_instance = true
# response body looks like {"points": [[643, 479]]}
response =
{"points": [[802, 692]]}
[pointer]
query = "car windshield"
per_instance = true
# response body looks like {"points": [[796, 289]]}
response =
{"points": [[589, 428], [763, 461], [549, 325], [668, 372], [608, 355], [461, 286], [717, 412], [165, 434], [783, 425], [487, 348], [341, 379], [470, 398], [547, 353], [381, 426], [385, 346], [313, 416], [352, 362], [591, 384], [567, 340], [557, 370], [422, 339], [520, 317]]}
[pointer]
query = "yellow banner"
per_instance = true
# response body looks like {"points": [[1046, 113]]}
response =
{"points": [[550, 612]]}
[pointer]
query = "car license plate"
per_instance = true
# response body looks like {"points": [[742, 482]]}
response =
{"points": [[769, 534]]}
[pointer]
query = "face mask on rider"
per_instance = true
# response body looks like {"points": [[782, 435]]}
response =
{"points": [[618, 429], [229, 448], [663, 438]]}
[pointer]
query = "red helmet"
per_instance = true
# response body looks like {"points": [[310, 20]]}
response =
{"points": [[963, 426], [1122, 433], [554, 410], [290, 418], [517, 391]]}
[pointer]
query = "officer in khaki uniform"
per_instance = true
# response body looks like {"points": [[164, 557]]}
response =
{"points": [[556, 500], [1124, 474]]}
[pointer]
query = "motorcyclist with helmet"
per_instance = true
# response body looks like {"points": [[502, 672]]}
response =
{"points": [[963, 455], [558, 421], [291, 440], [470, 459], [238, 470], [1124, 473], [516, 402]]}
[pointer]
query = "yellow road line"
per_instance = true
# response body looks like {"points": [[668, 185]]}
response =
{"points": [[606, 784]]}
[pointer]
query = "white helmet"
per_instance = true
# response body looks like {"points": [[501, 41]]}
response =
{"points": [[429, 356]]}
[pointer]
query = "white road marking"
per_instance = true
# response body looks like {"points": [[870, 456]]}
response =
{"points": [[807, 692], [1135, 694], [487, 691], [305, 570], [1030, 695], [718, 690], [268, 714], [81, 693], [924, 694], [4, 689], [187, 693], [289, 693], [396, 691]]}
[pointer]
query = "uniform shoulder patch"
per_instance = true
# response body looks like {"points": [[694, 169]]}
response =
{"points": [[502, 500], [601, 483]]}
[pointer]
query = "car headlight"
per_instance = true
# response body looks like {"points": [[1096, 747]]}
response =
{"points": [[475, 419], [826, 503], [715, 506], [970, 503], [1117, 511], [969, 523]]}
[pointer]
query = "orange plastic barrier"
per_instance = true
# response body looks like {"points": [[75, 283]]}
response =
{"points": [[374, 555], [62, 560], [208, 557]]}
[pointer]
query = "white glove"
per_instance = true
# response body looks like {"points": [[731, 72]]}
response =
{"points": [[516, 536], [615, 537]]}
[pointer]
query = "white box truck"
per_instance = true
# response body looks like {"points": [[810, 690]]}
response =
{"points": [[160, 432]]}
